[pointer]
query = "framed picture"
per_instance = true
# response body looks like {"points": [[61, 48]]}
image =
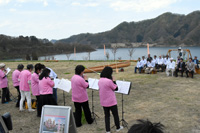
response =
{"points": [[56, 119]]}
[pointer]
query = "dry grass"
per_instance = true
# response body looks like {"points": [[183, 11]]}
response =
{"points": [[172, 101]]}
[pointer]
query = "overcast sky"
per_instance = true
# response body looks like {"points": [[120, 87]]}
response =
{"points": [[58, 19]]}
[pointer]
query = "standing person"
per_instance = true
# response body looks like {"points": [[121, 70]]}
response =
{"points": [[80, 96], [139, 66], [149, 58], [170, 67], [15, 79], [35, 84], [196, 62], [190, 67], [53, 76], [25, 81], [108, 99], [180, 67], [46, 90], [4, 84]]}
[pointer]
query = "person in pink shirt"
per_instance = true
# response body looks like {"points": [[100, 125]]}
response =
{"points": [[46, 90], [15, 80], [108, 99], [80, 96], [4, 85], [35, 84], [25, 80]]}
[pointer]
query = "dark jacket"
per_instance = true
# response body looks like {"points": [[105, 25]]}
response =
{"points": [[179, 65], [197, 61]]}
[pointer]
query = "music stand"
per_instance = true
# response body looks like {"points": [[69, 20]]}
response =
{"points": [[93, 113], [123, 88], [93, 84], [64, 97]]}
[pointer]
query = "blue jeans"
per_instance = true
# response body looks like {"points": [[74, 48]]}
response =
{"points": [[140, 68], [55, 93]]}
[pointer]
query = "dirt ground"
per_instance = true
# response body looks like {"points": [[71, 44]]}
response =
{"points": [[175, 102]]}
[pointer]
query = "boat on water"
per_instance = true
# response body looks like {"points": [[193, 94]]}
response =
{"points": [[114, 66]]}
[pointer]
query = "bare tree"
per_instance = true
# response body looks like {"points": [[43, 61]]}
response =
{"points": [[114, 50], [89, 55], [68, 56], [107, 55], [130, 52]]}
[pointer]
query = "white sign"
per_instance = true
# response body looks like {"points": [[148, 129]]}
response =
{"points": [[8, 70], [56, 82]]}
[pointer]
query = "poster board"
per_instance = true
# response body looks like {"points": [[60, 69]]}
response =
{"points": [[3, 128], [93, 83], [123, 87], [57, 119]]}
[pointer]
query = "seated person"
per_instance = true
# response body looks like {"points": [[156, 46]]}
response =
{"points": [[149, 58], [166, 60], [160, 63], [146, 127], [144, 61], [150, 67], [196, 62], [139, 66], [170, 67], [190, 67], [180, 67], [155, 61]]}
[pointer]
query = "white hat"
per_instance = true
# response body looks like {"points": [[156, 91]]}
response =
{"points": [[2, 65], [171, 58]]}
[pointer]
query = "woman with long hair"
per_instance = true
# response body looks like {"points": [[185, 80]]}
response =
{"points": [[80, 96], [46, 90], [108, 99]]}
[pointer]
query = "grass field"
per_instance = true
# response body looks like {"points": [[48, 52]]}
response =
{"points": [[175, 102]]}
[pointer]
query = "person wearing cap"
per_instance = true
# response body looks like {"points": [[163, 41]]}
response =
{"points": [[180, 67], [170, 67], [190, 67], [15, 80], [79, 86], [25, 81], [4, 84]]}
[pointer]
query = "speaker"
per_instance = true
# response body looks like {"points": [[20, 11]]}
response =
{"points": [[7, 120]]}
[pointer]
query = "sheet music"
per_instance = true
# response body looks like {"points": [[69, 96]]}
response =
{"points": [[123, 87], [56, 82], [93, 83], [65, 85], [8, 70]]}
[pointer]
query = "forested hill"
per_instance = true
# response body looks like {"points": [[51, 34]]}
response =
{"points": [[23, 47], [165, 30]]}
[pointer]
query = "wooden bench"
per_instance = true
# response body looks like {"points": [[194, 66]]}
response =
{"points": [[154, 72]]}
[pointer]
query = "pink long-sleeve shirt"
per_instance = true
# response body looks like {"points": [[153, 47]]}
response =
{"points": [[15, 77], [46, 86], [3, 80], [24, 77], [35, 84], [79, 89], [106, 92]]}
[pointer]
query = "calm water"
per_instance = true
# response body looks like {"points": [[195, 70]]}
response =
{"points": [[123, 53]]}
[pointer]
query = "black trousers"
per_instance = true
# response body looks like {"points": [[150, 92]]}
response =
{"points": [[47, 99], [177, 70], [38, 109], [192, 72], [160, 66], [19, 96], [114, 111], [5, 95], [78, 113]]}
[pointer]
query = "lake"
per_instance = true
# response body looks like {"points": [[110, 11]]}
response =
{"points": [[122, 53]]}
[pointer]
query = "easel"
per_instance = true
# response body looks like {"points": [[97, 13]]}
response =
{"points": [[93, 114]]}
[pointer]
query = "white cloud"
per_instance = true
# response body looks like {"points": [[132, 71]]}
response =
{"points": [[140, 5], [4, 24], [12, 10], [45, 3], [4, 2], [89, 4]]}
